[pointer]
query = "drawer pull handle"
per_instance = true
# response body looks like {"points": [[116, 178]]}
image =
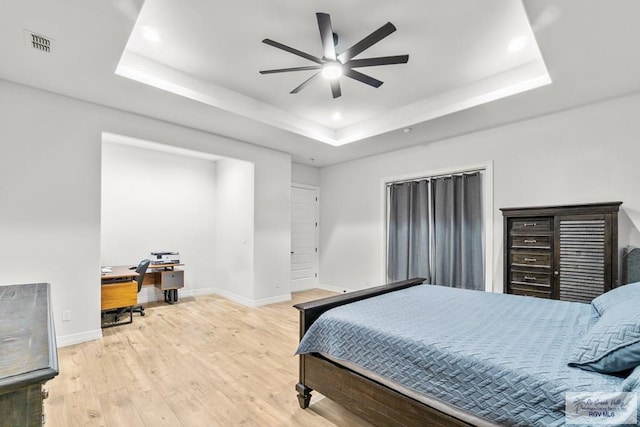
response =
{"points": [[529, 224], [532, 278], [530, 260], [530, 241]]}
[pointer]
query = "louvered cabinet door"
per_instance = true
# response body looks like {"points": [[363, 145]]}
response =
{"points": [[583, 248]]}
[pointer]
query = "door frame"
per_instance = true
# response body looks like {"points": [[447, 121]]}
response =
{"points": [[317, 233]]}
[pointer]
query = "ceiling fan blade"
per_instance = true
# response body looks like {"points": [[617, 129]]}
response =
{"points": [[335, 88], [292, 50], [286, 70], [367, 42], [305, 83], [372, 62], [356, 75], [326, 35]]}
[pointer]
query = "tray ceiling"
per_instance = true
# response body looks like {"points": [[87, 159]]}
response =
{"points": [[461, 55]]}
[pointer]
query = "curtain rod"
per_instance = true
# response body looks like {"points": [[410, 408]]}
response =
{"points": [[446, 175]]}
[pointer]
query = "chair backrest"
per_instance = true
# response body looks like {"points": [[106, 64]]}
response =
{"points": [[141, 270]]}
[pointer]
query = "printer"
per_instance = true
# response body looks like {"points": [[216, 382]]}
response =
{"points": [[162, 258]]}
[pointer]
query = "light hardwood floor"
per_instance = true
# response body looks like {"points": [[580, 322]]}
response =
{"points": [[205, 361]]}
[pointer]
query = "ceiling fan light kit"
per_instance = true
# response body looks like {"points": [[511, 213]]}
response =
{"points": [[333, 65], [332, 70]]}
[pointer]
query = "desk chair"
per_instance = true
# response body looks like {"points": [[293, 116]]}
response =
{"points": [[141, 269]]}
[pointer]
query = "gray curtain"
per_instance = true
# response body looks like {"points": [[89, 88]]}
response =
{"points": [[457, 232], [408, 240]]}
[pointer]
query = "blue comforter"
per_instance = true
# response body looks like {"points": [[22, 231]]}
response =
{"points": [[500, 357]]}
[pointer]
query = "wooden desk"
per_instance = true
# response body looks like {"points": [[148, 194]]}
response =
{"points": [[167, 278], [118, 290]]}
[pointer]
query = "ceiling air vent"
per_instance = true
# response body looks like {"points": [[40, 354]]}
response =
{"points": [[38, 41]]}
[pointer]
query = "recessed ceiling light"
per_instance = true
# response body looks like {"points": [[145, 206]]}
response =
{"points": [[337, 115], [517, 44], [151, 35], [331, 70], [407, 130]]}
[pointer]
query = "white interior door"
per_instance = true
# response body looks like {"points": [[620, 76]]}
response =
{"points": [[304, 238]]}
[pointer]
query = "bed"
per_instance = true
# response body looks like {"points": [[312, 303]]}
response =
{"points": [[414, 354]]}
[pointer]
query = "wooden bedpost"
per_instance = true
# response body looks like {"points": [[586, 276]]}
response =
{"points": [[304, 394]]}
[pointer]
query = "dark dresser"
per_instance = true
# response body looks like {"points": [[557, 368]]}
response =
{"points": [[28, 353], [568, 252]]}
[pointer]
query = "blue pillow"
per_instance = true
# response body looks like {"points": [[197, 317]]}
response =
{"points": [[613, 343], [616, 296], [632, 382]]}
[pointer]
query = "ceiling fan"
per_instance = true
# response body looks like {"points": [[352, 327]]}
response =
{"points": [[333, 64]]}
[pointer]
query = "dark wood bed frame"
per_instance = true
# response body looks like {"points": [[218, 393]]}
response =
{"points": [[368, 399]]}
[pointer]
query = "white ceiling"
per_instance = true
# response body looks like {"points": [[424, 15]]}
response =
{"points": [[458, 59], [211, 51]]}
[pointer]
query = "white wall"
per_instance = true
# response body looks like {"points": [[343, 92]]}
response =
{"points": [[158, 201], [234, 234], [272, 229], [50, 203], [50, 160], [303, 174], [589, 154]]}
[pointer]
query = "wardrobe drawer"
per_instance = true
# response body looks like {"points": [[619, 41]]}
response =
{"points": [[531, 224], [531, 259], [531, 278], [531, 291], [537, 242]]}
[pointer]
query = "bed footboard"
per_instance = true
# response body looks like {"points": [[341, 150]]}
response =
{"points": [[309, 313], [364, 397]]}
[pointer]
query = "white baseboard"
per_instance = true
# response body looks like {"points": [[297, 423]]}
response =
{"points": [[272, 300], [153, 294], [149, 294], [197, 292], [336, 289], [250, 302], [67, 340], [306, 288]]}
